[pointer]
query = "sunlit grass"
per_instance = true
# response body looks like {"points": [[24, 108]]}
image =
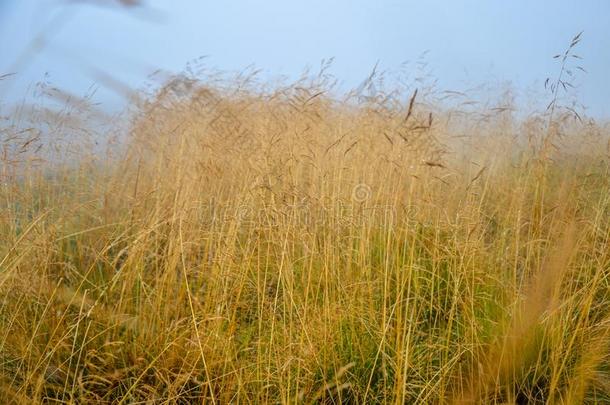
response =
{"points": [[287, 248]]}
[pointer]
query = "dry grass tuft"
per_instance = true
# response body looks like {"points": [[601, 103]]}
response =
{"points": [[281, 246]]}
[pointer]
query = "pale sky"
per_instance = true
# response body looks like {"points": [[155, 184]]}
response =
{"points": [[469, 42]]}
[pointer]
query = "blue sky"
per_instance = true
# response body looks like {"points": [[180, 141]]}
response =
{"points": [[468, 42]]}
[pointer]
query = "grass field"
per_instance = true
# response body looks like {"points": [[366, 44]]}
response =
{"points": [[286, 246]]}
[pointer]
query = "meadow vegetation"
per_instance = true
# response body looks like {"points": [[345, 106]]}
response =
{"points": [[248, 243]]}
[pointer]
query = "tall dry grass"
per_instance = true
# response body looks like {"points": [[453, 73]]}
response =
{"points": [[288, 246]]}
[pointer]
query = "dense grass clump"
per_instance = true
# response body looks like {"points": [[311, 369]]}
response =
{"points": [[289, 247]]}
